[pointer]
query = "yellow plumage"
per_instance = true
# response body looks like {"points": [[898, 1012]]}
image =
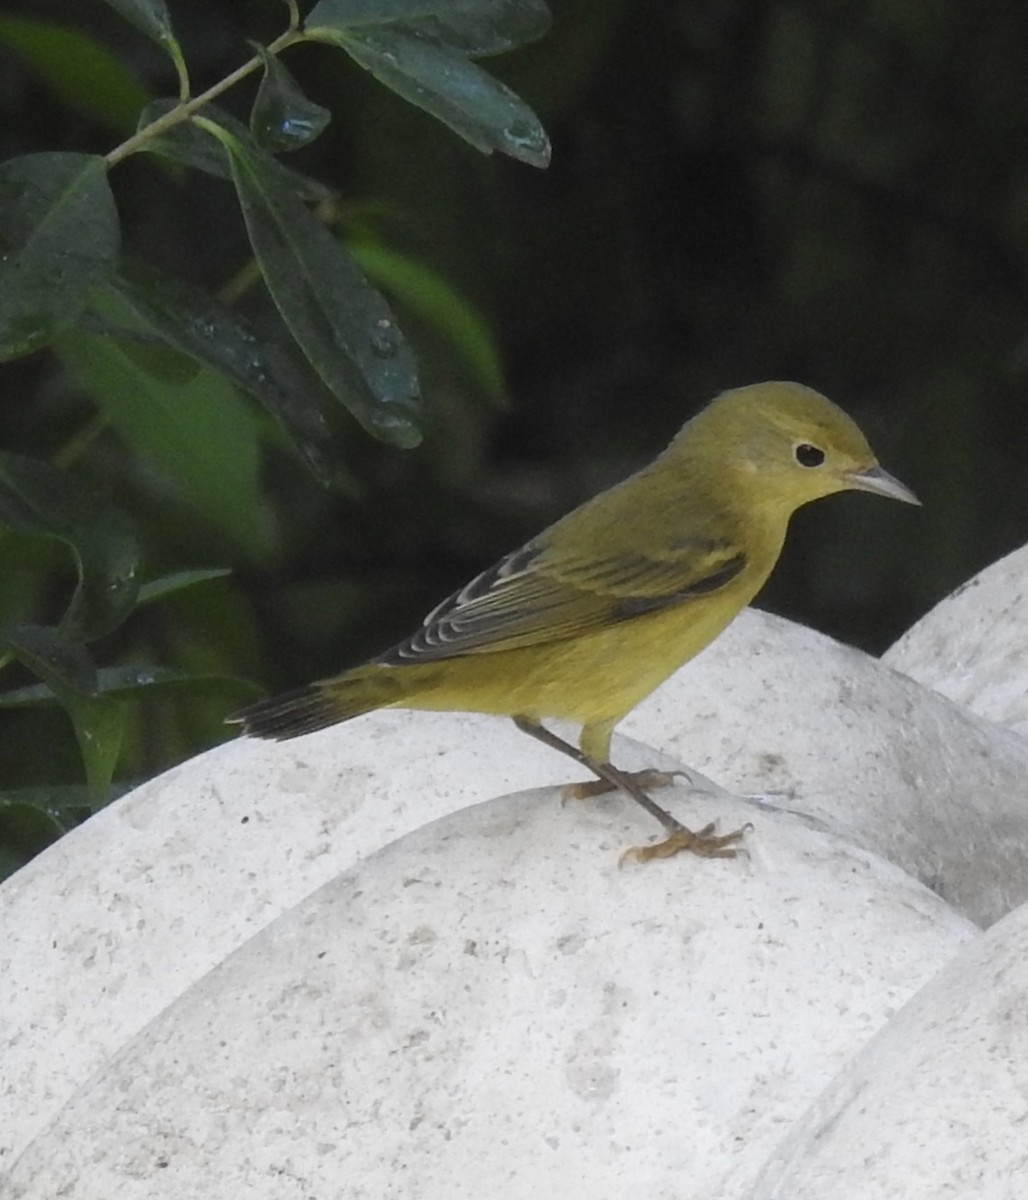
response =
{"points": [[591, 615]]}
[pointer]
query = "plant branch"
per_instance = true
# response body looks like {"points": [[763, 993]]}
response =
{"points": [[183, 111]]}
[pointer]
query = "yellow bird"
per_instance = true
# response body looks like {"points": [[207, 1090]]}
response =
{"points": [[586, 619]]}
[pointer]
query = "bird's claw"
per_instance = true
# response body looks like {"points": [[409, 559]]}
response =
{"points": [[704, 842]]}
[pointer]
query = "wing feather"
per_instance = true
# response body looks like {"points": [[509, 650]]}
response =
{"points": [[531, 597]]}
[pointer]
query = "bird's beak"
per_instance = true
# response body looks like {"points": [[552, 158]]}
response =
{"points": [[876, 479]]}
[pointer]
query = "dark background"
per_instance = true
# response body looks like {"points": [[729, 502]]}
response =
{"points": [[830, 191]]}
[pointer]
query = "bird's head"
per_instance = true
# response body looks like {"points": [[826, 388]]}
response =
{"points": [[786, 445]]}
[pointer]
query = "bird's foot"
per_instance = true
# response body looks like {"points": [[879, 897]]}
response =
{"points": [[650, 778], [704, 842]]}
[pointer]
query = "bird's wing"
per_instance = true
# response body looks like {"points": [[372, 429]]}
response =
{"points": [[532, 596]]}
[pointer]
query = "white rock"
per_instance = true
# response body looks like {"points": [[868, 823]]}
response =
{"points": [[824, 730], [490, 1007], [106, 928], [973, 645], [937, 1104]]}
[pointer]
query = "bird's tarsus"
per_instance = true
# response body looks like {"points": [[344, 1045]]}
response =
{"points": [[651, 777]]}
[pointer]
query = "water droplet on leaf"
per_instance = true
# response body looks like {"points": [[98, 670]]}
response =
{"points": [[385, 338]]}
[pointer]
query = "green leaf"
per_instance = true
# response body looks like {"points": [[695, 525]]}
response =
{"points": [[78, 70], [282, 117], [65, 664], [66, 668], [212, 333], [343, 325], [33, 818], [148, 351], [185, 143], [40, 500], [441, 80], [99, 728], [58, 239], [486, 27], [149, 16], [127, 680], [192, 146], [156, 590], [26, 829], [426, 293], [66, 803], [200, 433], [475, 27]]}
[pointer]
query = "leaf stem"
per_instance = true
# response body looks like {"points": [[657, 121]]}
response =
{"points": [[184, 110], [181, 70]]}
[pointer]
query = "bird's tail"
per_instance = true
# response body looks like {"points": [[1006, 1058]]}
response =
{"points": [[319, 705]]}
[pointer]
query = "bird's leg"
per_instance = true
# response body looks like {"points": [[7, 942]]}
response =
{"points": [[651, 777], [703, 842], [612, 779]]}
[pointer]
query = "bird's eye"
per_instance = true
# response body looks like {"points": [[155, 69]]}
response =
{"points": [[808, 455]]}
